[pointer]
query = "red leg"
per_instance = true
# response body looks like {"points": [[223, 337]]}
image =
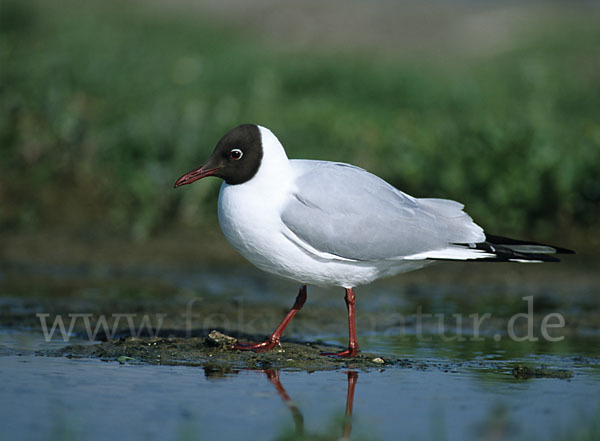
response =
{"points": [[275, 338], [352, 350]]}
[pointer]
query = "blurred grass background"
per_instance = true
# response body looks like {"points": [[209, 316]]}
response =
{"points": [[103, 104]]}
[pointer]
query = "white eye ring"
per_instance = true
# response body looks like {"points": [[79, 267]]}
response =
{"points": [[236, 154]]}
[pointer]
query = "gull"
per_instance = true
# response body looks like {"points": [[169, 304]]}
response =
{"points": [[334, 224]]}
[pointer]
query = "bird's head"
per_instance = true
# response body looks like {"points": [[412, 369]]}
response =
{"points": [[235, 159]]}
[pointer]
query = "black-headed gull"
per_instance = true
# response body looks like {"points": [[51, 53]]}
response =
{"points": [[334, 224]]}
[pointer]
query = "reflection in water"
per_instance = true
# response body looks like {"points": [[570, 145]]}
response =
{"points": [[352, 379], [273, 376]]}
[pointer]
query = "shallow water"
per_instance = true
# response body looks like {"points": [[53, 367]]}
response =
{"points": [[450, 390], [96, 401]]}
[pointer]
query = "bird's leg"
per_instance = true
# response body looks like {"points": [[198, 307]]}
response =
{"points": [[275, 338], [352, 350]]}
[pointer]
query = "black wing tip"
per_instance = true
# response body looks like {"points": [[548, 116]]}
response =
{"points": [[505, 249], [501, 240], [529, 258], [563, 250]]}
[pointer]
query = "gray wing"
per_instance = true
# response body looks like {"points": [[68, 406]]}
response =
{"points": [[346, 211]]}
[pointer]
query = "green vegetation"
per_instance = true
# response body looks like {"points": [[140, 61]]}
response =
{"points": [[103, 105]]}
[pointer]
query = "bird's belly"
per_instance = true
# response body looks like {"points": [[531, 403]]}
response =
{"points": [[277, 255]]}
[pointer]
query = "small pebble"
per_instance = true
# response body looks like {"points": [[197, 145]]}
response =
{"points": [[378, 360], [216, 338]]}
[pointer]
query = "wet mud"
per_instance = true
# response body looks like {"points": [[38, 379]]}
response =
{"points": [[214, 353]]}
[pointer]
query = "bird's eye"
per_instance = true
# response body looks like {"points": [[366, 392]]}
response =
{"points": [[236, 154]]}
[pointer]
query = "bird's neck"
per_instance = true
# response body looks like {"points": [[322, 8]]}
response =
{"points": [[275, 168]]}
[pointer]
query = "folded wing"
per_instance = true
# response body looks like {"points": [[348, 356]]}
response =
{"points": [[338, 210]]}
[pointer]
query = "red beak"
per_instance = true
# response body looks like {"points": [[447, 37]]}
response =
{"points": [[194, 175]]}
